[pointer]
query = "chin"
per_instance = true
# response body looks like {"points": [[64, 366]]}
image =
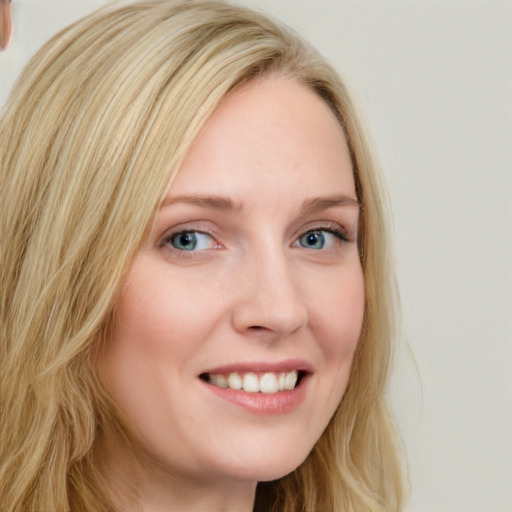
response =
{"points": [[271, 464]]}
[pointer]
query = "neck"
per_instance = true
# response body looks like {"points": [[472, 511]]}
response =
{"points": [[196, 497]]}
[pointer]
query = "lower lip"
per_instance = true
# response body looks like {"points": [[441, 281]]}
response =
{"points": [[282, 402]]}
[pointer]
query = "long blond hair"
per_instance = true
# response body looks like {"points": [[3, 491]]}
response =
{"points": [[96, 127]]}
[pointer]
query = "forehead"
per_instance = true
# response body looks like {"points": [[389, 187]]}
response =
{"points": [[273, 136]]}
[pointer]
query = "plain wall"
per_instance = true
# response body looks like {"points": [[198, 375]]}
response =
{"points": [[434, 79]]}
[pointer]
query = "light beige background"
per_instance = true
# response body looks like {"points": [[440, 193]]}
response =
{"points": [[435, 81]]}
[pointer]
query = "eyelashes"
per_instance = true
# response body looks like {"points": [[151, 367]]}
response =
{"points": [[189, 242]]}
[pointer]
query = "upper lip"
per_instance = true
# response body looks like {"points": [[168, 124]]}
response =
{"points": [[287, 365]]}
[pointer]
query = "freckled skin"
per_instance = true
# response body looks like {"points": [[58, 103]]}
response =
{"points": [[251, 292]]}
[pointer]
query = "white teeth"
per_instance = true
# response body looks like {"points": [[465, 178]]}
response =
{"points": [[290, 380], [252, 383], [280, 381], [219, 380], [268, 383], [235, 381]]}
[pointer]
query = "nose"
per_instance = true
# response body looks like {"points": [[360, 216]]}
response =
{"points": [[269, 301]]}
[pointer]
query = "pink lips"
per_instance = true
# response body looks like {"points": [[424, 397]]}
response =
{"points": [[261, 367], [281, 402]]}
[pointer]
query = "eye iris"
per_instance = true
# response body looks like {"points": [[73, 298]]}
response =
{"points": [[313, 239], [185, 241]]}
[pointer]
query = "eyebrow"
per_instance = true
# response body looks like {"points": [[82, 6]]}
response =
{"points": [[221, 203], [319, 204]]}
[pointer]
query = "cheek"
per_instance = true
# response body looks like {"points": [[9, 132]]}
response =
{"points": [[155, 338], [336, 321], [338, 316], [145, 338], [143, 324], [154, 315]]}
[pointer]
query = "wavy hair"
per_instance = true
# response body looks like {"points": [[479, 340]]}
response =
{"points": [[93, 132]]}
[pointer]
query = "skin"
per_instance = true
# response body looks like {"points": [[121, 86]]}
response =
{"points": [[253, 290]]}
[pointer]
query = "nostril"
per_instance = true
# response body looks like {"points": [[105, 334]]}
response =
{"points": [[261, 331]]}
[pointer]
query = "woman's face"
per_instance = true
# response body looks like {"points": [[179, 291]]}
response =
{"points": [[251, 278]]}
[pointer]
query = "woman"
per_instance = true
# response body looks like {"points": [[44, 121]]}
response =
{"points": [[195, 285]]}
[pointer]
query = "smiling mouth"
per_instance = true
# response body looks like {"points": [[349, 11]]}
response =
{"points": [[252, 382]]}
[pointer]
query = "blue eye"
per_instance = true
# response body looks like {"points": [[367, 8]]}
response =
{"points": [[191, 241], [320, 239]]}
